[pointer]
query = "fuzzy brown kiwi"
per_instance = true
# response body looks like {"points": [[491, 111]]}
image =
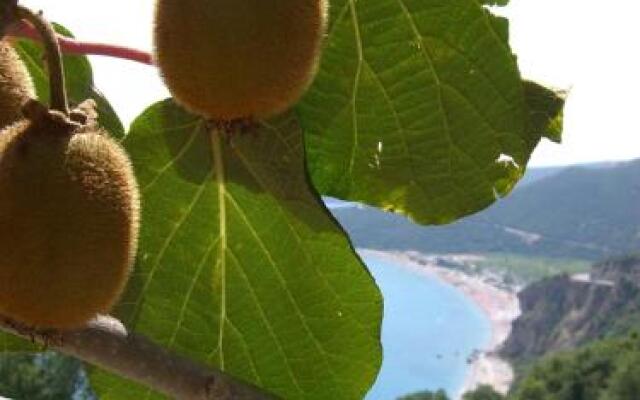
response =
{"points": [[16, 87], [69, 215], [231, 59]]}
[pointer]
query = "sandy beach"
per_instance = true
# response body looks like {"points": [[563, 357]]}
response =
{"points": [[500, 306]]}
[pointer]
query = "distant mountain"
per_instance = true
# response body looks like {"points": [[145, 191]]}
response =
{"points": [[589, 212], [535, 174]]}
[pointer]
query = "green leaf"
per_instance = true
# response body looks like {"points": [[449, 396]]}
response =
{"points": [[494, 2], [545, 111], [240, 264], [11, 343], [79, 81], [500, 26], [417, 107]]}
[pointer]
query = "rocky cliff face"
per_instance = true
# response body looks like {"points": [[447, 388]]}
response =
{"points": [[564, 312]]}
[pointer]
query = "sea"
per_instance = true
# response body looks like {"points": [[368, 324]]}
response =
{"points": [[429, 331]]}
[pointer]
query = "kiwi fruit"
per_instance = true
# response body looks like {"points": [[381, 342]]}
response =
{"points": [[69, 216], [233, 59], [16, 86]]}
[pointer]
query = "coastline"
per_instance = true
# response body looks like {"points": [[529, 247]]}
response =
{"points": [[499, 305]]}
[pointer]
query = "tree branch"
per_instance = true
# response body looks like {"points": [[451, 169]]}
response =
{"points": [[73, 46], [106, 343]]}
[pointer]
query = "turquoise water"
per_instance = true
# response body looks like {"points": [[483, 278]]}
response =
{"points": [[429, 330]]}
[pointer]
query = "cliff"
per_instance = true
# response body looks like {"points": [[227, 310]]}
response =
{"points": [[564, 312]]}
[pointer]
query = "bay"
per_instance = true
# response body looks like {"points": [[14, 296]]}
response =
{"points": [[428, 332]]}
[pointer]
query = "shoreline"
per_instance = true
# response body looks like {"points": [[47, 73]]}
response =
{"points": [[500, 306]]}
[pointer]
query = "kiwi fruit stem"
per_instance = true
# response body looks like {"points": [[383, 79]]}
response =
{"points": [[58, 90]]}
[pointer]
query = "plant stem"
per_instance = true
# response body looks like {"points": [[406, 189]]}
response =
{"points": [[106, 343], [73, 46], [48, 36]]}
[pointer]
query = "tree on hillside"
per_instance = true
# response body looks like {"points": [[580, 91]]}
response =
{"points": [[607, 369], [483, 392], [426, 395], [46, 376], [625, 382]]}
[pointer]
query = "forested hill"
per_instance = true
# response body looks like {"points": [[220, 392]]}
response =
{"points": [[589, 212]]}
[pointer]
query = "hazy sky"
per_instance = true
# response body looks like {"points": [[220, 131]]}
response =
{"points": [[586, 46]]}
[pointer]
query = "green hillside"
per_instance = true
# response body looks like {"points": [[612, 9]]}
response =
{"points": [[588, 213], [603, 370]]}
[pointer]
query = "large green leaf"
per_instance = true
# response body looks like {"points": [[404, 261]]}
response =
{"points": [[79, 81], [418, 107], [241, 266], [495, 2], [11, 343], [545, 110]]}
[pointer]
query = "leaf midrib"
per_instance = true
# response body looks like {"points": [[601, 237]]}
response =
{"points": [[219, 175]]}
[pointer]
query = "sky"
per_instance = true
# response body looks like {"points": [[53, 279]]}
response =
{"points": [[587, 47]]}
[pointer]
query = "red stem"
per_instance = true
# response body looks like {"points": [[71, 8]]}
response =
{"points": [[73, 46]]}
